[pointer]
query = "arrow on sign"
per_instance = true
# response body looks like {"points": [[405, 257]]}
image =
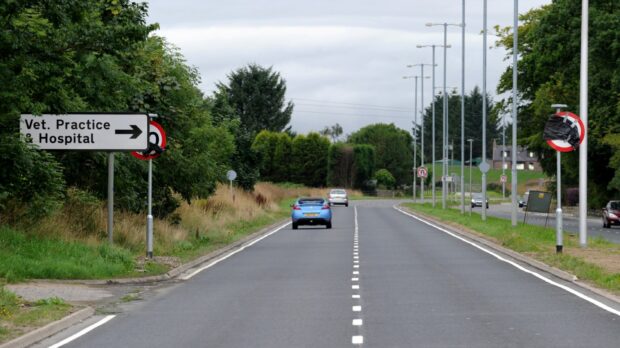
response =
{"points": [[134, 131]]}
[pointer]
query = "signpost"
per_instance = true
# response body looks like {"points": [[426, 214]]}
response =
{"points": [[564, 132], [93, 132], [89, 132], [231, 175], [484, 169], [157, 145]]}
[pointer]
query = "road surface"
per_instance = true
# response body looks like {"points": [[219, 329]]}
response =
{"points": [[379, 278]]}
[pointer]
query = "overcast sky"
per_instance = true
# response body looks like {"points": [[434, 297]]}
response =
{"points": [[343, 60]]}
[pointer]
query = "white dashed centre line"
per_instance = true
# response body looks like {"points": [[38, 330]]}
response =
{"points": [[355, 287], [356, 339], [357, 322], [357, 308]]}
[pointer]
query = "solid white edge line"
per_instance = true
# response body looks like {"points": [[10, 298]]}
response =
{"points": [[213, 263], [514, 264], [83, 332]]}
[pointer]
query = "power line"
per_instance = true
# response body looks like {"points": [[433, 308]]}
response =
{"points": [[326, 102], [353, 107], [348, 114]]}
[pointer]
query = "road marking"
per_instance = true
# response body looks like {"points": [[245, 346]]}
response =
{"points": [[356, 272], [357, 322], [357, 308], [356, 261], [356, 253], [357, 339], [355, 287], [355, 296], [355, 279], [213, 263], [356, 257], [83, 332], [514, 264], [356, 266]]}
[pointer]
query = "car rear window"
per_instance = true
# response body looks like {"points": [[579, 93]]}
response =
{"points": [[311, 201], [339, 192]]}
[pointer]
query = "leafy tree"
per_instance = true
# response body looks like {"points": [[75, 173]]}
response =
{"points": [[364, 165], [548, 73], [393, 148], [282, 158], [309, 159], [265, 146], [385, 179], [334, 132]]}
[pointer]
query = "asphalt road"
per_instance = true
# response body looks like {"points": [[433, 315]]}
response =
{"points": [[392, 281], [570, 223]]}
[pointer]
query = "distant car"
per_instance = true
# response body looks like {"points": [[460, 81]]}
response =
{"points": [[311, 211], [338, 196], [611, 214], [476, 200], [523, 200]]}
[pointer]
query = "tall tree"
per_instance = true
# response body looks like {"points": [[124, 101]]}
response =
{"points": [[393, 148], [548, 72], [309, 159]]}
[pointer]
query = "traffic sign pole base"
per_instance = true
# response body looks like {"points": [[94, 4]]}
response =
{"points": [[558, 249]]}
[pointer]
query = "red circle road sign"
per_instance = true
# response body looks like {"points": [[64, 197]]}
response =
{"points": [[157, 136], [503, 178], [422, 172], [561, 145]]}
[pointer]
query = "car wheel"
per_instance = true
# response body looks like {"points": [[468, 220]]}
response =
{"points": [[473, 205], [487, 206], [328, 225], [295, 225], [346, 205]]}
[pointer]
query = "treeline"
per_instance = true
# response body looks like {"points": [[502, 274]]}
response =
{"points": [[90, 55]]}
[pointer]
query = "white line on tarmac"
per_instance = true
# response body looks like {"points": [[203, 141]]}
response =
{"points": [[357, 322], [537, 275], [357, 339], [213, 263], [357, 308], [83, 332], [355, 296], [355, 287]]}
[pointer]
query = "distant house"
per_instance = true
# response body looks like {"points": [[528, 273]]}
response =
{"points": [[526, 160]]}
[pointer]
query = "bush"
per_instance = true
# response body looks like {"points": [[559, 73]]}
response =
{"points": [[385, 179]]}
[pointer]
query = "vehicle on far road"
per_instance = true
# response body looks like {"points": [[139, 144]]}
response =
{"points": [[611, 214], [523, 200], [476, 200], [311, 211], [338, 196]]}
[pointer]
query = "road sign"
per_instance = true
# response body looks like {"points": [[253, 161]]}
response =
{"points": [[157, 143], [231, 175], [422, 172], [94, 132], [447, 178], [484, 167], [503, 178], [573, 121]]}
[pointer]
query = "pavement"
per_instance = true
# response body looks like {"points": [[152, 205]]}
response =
{"points": [[379, 278]]}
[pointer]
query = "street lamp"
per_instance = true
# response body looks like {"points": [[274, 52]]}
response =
{"points": [[583, 112], [422, 125], [445, 103], [463, 109], [515, 52], [433, 127], [484, 108], [415, 138]]}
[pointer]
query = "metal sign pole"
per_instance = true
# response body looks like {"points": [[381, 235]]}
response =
{"points": [[558, 210], [111, 197], [149, 217]]}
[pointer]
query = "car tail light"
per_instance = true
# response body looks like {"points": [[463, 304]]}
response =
{"points": [[325, 206], [296, 207]]}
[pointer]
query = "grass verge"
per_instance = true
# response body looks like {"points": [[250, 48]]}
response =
{"points": [[598, 264], [72, 243], [18, 316]]}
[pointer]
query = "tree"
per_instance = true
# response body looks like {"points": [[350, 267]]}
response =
{"points": [[363, 165], [253, 97], [334, 132], [274, 149], [385, 179], [309, 159], [340, 165], [393, 149], [548, 73]]}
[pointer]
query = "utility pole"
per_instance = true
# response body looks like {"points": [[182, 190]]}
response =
{"points": [[515, 103], [484, 110], [583, 111]]}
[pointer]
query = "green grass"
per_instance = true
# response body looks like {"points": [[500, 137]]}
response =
{"points": [[24, 256], [535, 241], [18, 316], [493, 176]]}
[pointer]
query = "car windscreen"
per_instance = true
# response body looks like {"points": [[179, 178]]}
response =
{"points": [[614, 205], [311, 201], [338, 192], [478, 196]]}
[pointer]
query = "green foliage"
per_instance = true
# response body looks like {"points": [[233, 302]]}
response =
{"points": [[340, 165], [548, 72], [309, 159], [393, 148], [31, 183], [385, 179], [364, 165]]}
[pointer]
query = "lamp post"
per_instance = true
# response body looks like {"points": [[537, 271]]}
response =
{"points": [[445, 106], [515, 52], [463, 109], [422, 123], [583, 113], [415, 132], [484, 107], [433, 126]]}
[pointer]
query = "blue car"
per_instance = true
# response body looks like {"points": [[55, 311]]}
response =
{"points": [[311, 211]]}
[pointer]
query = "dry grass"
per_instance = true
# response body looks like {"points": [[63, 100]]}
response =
{"points": [[216, 218]]}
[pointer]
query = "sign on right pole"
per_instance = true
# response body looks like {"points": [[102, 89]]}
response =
{"points": [[564, 132]]}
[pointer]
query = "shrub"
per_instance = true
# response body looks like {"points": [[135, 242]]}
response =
{"points": [[385, 178]]}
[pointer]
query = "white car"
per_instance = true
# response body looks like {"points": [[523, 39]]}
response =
{"points": [[338, 196]]}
